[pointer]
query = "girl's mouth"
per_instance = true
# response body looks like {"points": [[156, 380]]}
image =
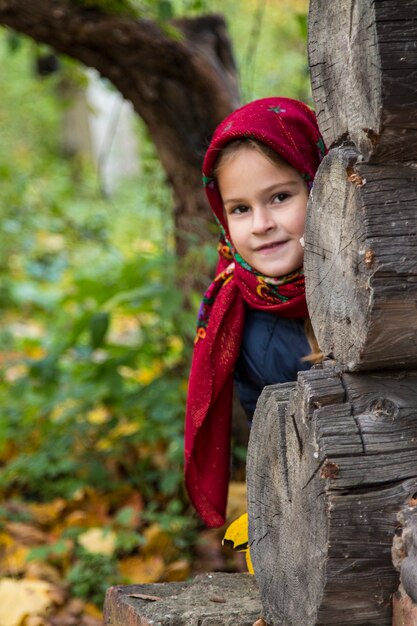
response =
{"points": [[269, 248]]}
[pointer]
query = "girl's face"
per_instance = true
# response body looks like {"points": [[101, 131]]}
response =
{"points": [[265, 207]]}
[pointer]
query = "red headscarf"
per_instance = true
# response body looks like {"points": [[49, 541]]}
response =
{"points": [[290, 128]]}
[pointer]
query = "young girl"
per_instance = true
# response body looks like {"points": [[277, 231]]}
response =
{"points": [[253, 322]]}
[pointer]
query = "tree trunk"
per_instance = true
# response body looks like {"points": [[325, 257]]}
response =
{"points": [[361, 261], [363, 61], [326, 479], [181, 87]]}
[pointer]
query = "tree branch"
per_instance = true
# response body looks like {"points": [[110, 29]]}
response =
{"points": [[182, 88]]}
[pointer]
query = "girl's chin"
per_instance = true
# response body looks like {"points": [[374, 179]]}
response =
{"points": [[276, 264], [277, 269]]}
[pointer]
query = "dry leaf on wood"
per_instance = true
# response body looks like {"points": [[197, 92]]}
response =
{"points": [[143, 596]]}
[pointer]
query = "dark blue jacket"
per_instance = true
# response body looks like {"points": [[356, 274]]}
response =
{"points": [[271, 352]]}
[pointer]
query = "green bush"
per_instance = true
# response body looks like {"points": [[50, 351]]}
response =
{"points": [[95, 334]]}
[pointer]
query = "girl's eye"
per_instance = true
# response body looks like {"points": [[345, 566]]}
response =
{"points": [[238, 210], [280, 197]]}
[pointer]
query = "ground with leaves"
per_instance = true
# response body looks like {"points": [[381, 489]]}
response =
{"points": [[58, 558]]}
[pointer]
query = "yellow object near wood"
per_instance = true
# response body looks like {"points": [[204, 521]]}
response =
{"points": [[236, 536]]}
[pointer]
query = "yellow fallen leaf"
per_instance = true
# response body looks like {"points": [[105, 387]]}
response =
{"points": [[98, 541], [140, 570], [236, 536], [157, 541], [146, 375], [124, 429], [98, 415], [6, 540], [47, 512], [237, 533], [27, 534], [177, 571], [22, 598], [35, 352], [77, 518], [35, 620], [13, 559], [39, 570], [91, 610], [249, 564]]}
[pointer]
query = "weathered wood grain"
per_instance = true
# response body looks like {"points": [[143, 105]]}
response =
{"points": [[363, 63], [361, 261], [216, 599], [331, 461]]}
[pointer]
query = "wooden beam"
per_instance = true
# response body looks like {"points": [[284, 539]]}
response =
{"points": [[363, 61], [361, 261], [330, 464]]}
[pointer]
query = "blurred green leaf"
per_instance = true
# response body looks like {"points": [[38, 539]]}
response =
{"points": [[99, 325], [14, 41], [165, 10]]}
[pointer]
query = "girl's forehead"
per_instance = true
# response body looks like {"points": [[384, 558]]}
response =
{"points": [[252, 168], [237, 147]]}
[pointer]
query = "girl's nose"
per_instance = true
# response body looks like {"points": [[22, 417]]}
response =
{"points": [[262, 221]]}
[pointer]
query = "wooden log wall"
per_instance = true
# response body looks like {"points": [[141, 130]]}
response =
{"points": [[361, 261], [363, 66], [332, 460]]}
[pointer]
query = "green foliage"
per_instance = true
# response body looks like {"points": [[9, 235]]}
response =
{"points": [[94, 332], [180, 527], [92, 575], [52, 553], [269, 39]]}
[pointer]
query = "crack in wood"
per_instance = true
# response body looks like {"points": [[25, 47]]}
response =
{"points": [[313, 475], [283, 450], [365, 488], [352, 414]]}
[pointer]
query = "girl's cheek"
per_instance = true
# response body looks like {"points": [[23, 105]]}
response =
{"points": [[299, 225]]}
